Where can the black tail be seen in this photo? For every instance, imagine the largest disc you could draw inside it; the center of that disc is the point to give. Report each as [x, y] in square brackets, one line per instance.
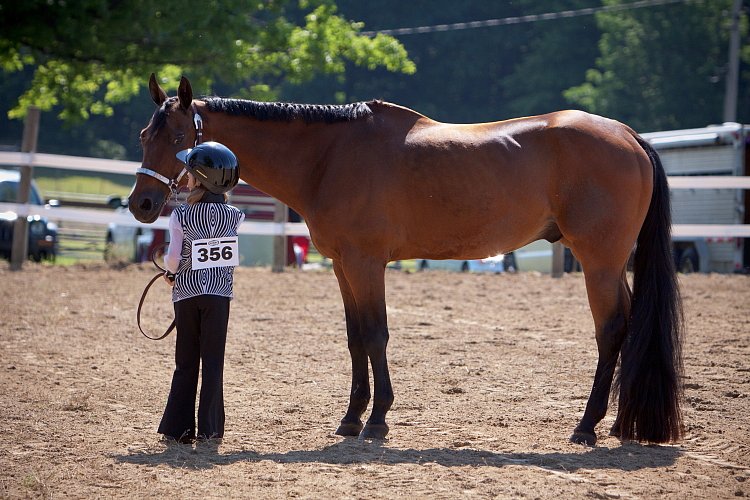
[650, 378]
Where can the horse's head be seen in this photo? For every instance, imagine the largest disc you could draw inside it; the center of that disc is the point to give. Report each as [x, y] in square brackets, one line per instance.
[170, 130]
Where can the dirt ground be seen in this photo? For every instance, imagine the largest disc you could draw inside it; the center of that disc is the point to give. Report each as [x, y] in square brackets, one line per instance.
[490, 374]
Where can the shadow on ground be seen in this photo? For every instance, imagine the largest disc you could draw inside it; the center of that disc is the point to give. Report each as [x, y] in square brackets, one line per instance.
[627, 457]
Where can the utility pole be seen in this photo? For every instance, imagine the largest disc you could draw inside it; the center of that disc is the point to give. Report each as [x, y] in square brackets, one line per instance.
[20, 248]
[730, 96]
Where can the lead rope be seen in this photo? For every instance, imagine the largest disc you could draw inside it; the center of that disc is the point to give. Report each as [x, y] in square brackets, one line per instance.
[145, 292]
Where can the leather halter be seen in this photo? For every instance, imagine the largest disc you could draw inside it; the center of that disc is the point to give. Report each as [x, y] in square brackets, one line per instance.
[173, 184]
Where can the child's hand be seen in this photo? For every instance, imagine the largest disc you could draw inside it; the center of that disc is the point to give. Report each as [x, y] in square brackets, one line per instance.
[169, 278]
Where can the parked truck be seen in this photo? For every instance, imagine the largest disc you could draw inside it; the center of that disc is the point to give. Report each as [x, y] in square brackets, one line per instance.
[716, 151]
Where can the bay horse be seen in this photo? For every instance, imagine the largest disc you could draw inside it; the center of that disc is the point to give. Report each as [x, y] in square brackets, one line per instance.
[378, 182]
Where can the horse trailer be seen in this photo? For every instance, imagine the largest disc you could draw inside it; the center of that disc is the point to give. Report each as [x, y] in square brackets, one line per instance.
[715, 151]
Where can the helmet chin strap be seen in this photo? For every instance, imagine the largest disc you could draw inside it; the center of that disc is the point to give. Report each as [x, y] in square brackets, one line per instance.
[173, 184]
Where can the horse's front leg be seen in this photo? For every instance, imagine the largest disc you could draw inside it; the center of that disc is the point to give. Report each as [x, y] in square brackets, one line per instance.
[366, 278]
[351, 424]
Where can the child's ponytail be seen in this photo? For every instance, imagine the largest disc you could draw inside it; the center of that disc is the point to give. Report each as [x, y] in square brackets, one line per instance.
[197, 193]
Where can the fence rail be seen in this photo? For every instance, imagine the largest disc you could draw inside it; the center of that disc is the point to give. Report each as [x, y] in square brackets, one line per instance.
[78, 199]
[104, 217]
[122, 167]
[293, 229]
[66, 162]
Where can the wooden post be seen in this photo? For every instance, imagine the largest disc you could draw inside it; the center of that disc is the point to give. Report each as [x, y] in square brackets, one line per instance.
[20, 247]
[280, 215]
[558, 260]
[732, 83]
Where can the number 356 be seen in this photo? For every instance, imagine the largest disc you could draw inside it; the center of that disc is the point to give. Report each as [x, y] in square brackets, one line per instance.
[214, 254]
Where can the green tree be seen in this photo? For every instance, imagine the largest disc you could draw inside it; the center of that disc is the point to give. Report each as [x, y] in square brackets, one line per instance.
[471, 75]
[89, 55]
[662, 67]
[553, 58]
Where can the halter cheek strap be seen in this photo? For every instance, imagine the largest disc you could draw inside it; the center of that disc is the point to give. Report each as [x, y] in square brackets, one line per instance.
[174, 183]
[198, 122]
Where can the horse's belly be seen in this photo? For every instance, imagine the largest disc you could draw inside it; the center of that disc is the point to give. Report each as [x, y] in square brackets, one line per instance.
[484, 236]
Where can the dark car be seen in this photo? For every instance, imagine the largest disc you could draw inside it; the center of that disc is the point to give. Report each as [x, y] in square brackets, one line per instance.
[42, 233]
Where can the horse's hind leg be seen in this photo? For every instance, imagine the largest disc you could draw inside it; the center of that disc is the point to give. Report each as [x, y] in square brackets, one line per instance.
[351, 424]
[609, 298]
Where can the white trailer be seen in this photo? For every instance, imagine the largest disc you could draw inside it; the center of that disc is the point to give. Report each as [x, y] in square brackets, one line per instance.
[713, 150]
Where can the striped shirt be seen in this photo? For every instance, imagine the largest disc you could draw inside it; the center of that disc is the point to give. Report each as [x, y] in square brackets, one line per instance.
[195, 222]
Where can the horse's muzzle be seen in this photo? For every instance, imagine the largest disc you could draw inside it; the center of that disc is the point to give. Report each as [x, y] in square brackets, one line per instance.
[145, 208]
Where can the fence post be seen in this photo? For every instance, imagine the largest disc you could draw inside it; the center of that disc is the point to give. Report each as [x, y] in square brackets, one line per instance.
[279, 242]
[558, 260]
[730, 94]
[20, 247]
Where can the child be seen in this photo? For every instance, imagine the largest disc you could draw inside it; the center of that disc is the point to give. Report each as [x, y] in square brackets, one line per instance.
[200, 263]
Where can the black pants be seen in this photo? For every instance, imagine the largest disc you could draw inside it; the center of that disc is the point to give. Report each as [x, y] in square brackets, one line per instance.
[201, 335]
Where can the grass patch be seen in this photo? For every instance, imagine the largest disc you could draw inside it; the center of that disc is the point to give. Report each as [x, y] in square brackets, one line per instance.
[32, 483]
[53, 181]
[83, 245]
[66, 260]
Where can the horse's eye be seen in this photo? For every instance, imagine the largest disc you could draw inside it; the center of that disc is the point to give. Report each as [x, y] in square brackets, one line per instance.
[179, 139]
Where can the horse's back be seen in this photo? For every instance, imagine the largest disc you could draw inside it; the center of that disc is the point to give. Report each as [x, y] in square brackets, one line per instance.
[523, 156]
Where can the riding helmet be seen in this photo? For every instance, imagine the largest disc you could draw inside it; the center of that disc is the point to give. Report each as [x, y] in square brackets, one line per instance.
[213, 164]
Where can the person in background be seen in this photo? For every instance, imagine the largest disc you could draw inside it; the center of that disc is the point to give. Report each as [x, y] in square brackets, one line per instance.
[200, 262]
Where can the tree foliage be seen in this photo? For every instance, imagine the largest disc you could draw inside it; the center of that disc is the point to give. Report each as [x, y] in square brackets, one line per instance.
[661, 68]
[471, 75]
[88, 55]
[657, 67]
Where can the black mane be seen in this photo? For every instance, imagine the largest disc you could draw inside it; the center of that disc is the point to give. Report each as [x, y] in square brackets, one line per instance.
[282, 111]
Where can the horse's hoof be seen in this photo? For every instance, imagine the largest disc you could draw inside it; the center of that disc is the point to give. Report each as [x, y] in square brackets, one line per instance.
[374, 431]
[582, 437]
[349, 429]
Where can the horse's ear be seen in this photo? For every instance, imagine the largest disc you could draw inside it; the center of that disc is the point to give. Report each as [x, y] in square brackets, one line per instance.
[157, 93]
[185, 93]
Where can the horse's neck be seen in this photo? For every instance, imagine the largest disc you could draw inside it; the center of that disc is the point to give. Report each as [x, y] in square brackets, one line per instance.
[277, 157]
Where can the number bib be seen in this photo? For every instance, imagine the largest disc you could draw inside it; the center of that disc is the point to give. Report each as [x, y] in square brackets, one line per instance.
[215, 252]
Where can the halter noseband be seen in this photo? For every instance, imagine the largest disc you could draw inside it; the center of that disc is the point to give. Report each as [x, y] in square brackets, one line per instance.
[174, 183]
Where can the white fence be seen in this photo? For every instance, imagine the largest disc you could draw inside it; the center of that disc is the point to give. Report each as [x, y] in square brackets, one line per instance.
[710, 182]
[294, 229]
[94, 216]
